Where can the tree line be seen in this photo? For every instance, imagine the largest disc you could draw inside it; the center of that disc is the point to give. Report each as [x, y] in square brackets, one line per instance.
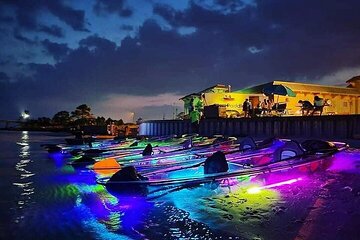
[81, 116]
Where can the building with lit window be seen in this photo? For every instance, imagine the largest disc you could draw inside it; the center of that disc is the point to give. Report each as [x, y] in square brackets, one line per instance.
[339, 100]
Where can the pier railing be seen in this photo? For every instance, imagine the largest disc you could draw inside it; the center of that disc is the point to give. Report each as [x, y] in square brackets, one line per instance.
[335, 126]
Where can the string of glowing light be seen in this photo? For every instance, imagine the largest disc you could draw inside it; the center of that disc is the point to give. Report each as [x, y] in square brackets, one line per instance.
[257, 189]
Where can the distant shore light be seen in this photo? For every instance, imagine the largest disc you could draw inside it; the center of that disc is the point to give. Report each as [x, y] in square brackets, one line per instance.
[25, 115]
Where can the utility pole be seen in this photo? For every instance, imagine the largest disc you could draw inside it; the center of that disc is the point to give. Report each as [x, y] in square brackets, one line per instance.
[173, 111]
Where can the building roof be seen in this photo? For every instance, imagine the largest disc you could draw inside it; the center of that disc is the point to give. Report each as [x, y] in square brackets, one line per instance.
[302, 87]
[254, 89]
[353, 79]
[190, 96]
[317, 88]
[209, 89]
[217, 86]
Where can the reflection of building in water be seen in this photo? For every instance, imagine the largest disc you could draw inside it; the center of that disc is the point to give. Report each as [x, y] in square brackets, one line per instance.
[340, 100]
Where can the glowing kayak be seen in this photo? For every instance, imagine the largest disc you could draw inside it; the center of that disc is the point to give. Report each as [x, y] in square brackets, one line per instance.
[138, 156]
[290, 155]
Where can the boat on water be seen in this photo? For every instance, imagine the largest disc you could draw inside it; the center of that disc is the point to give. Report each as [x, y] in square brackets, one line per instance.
[217, 167]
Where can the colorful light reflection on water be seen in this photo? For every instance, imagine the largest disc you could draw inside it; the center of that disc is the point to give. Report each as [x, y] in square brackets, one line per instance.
[55, 201]
[104, 210]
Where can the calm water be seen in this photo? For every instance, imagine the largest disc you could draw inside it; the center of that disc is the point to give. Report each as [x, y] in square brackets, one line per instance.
[43, 198]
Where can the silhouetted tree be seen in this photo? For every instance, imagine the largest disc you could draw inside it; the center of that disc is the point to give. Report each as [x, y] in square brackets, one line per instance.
[44, 121]
[62, 118]
[100, 121]
[116, 122]
[120, 122]
[82, 115]
[109, 121]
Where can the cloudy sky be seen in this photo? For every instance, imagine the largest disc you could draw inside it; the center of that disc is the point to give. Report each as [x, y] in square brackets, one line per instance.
[141, 56]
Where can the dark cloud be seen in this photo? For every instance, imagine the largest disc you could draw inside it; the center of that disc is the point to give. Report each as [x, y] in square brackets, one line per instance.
[230, 3]
[53, 30]
[98, 68]
[293, 41]
[112, 6]
[126, 27]
[168, 13]
[74, 18]
[4, 62]
[57, 50]
[8, 101]
[17, 35]
[4, 77]
[6, 19]
[222, 6]
[322, 41]
[232, 44]
[27, 13]
[100, 44]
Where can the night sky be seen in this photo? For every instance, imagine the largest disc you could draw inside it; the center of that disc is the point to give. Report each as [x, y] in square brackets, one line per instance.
[141, 56]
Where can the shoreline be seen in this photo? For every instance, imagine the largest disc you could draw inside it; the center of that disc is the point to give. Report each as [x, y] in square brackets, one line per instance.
[353, 143]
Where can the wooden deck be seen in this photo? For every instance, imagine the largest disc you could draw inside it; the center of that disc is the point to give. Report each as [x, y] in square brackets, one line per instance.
[330, 127]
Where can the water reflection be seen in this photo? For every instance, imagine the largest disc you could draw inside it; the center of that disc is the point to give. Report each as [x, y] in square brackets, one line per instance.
[106, 215]
[24, 181]
[96, 210]
[71, 205]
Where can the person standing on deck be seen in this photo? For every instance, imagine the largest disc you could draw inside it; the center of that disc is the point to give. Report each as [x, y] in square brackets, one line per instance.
[246, 107]
[264, 107]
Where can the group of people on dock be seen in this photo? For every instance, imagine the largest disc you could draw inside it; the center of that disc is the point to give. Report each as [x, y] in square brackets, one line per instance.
[263, 108]
[308, 109]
